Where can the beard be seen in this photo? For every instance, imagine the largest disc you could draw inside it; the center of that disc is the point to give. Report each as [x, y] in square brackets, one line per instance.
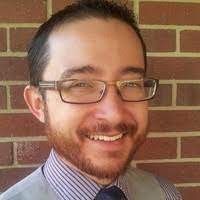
[70, 147]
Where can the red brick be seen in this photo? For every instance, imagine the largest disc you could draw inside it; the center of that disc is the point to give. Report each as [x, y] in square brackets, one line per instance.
[16, 97]
[174, 68]
[157, 148]
[169, 13]
[159, 40]
[175, 172]
[3, 99]
[188, 95]
[190, 193]
[20, 38]
[6, 153]
[189, 41]
[32, 152]
[23, 124]
[163, 96]
[22, 11]
[13, 68]
[175, 120]
[190, 147]
[3, 43]
[60, 4]
[11, 176]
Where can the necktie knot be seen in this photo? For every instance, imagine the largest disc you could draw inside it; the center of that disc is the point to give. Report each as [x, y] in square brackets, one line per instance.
[111, 193]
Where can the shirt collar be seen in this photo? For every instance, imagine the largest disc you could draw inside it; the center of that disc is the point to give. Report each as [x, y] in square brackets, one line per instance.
[71, 184]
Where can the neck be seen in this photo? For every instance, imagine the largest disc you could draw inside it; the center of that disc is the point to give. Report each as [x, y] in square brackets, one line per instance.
[99, 181]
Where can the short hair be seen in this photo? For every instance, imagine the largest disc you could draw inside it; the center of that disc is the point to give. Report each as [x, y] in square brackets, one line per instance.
[38, 52]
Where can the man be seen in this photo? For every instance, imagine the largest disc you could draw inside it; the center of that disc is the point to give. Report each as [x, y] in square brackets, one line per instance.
[88, 85]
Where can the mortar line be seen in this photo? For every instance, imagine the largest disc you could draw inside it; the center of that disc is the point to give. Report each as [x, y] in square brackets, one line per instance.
[168, 81]
[8, 39]
[178, 147]
[178, 42]
[19, 166]
[136, 10]
[8, 97]
[49, 8]
[13, 54]
[173, 134]
[174, 54]
[172, 108]
[176, 27]
[14, 111]
[15, 162]
[182, 160]
[174, 93]
[21, 25]
[13, 82]
[23, 139]
[187, 184]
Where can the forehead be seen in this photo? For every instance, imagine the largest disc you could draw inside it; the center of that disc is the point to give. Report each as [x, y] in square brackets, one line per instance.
[108, 45]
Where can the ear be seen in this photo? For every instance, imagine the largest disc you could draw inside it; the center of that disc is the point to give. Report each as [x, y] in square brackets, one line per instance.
[35, 102]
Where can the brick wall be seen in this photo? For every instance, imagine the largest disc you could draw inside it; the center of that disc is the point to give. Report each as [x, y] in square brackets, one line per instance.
[172, 34]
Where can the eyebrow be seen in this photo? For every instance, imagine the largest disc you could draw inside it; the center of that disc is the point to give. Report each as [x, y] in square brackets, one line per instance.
[91, 70]
[78, 70]
[134, 70]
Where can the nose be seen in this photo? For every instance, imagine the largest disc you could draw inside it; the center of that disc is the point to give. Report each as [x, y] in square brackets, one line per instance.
[111, 107]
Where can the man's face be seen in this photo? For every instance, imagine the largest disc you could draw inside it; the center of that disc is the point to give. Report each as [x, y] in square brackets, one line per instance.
[112, 51]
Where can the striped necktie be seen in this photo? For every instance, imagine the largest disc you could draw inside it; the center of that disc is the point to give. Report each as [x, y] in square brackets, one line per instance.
[111, 193]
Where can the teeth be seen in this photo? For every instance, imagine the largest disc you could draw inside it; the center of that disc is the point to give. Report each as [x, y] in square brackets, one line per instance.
[105, 138]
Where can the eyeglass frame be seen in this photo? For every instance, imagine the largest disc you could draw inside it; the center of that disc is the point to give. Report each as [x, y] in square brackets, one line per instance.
[54, 85]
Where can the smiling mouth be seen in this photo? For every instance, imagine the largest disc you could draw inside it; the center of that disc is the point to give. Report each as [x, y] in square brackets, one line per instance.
[105, 138]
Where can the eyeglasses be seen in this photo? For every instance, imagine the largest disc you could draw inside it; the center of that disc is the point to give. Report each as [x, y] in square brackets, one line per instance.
[91, 91]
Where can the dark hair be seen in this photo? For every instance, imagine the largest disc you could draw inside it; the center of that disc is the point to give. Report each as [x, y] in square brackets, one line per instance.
[38, 55]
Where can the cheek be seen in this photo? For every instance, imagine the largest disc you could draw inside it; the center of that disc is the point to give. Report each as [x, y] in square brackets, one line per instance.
[63, 115]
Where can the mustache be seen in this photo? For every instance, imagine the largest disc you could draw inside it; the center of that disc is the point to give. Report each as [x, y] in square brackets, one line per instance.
[106, 127]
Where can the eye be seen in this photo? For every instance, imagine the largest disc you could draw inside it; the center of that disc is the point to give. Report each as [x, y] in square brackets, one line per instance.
[81, 84]
[131, 84]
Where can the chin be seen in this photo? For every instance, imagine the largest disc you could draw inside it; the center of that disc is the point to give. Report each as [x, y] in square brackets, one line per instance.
[104, 169]
[100, 167]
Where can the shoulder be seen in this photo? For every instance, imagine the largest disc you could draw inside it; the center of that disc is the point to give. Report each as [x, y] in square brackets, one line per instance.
[150, 181]
[169, 189]
[31, 187]
[139, 175]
